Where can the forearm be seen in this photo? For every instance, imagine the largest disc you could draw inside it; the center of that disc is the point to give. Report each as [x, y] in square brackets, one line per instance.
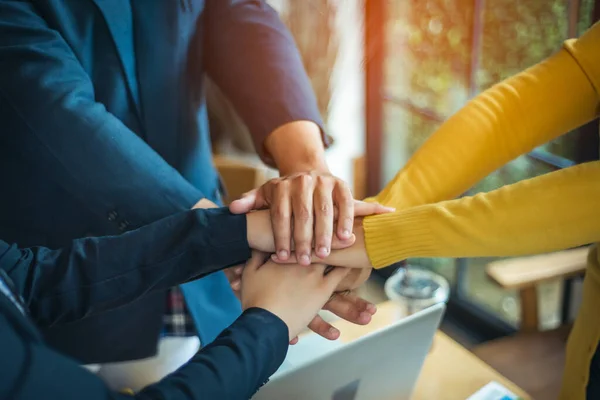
[551, 212]
[234, 366]
[500, 124]
[93, 275]
[257, 65]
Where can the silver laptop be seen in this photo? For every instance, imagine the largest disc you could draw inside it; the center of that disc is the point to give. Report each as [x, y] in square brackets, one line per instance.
[382, 365]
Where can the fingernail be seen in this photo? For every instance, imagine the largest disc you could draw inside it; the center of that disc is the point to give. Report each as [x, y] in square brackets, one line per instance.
[372, 308]
[392, 209]
[323, 251]
[274, 257]
[304, 259]
[282, 254]
[365, 316]
[333, 331]
[346, 233]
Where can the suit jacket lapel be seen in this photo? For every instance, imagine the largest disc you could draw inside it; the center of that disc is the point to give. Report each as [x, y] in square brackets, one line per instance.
[118, 16]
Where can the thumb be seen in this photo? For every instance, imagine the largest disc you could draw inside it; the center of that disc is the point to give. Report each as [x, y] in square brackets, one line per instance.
[248, 202]
[363, 209]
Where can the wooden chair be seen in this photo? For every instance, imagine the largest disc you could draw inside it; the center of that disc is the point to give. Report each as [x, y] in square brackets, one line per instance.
[531, 358]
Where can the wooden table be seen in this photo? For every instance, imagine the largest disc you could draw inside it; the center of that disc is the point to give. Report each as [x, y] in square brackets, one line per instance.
[450, 372]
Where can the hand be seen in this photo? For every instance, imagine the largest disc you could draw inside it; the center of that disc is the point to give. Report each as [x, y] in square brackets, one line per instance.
[294, 293]
[260, 236]
[234, 276]
[294, 199]
[345, 305]
[354, 256]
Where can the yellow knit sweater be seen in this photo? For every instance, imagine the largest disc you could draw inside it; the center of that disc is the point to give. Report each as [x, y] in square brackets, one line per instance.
[551, 212]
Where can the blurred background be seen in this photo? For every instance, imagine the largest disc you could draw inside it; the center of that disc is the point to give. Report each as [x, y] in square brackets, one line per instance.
[387, 73]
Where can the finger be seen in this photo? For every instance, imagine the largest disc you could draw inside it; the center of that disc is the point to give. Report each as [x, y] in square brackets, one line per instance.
[236, 285]
[363, 209]
[338, 244]
[294, 341]
[322, 328]
[323, 205]
[245, 204]
[253, 200]
[335, 258]
[281, 218]
[302, 210]
[351, 308]
[345, 204]
[237, 271]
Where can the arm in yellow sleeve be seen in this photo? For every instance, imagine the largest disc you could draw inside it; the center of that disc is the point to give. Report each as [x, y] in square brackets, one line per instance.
[502, 123]
[548, 213]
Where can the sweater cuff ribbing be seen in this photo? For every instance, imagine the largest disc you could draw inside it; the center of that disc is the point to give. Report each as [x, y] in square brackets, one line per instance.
[394, 237]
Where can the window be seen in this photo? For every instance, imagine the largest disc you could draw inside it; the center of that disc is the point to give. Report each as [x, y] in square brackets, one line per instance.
[425, 59]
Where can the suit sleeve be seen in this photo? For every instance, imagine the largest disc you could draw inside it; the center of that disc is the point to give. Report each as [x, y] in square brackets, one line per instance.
[233, 367]
[93, 275]
[48, 105]
[253, 58]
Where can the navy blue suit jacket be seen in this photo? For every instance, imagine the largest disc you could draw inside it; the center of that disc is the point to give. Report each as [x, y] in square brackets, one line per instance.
[104, 129]
[42, 287]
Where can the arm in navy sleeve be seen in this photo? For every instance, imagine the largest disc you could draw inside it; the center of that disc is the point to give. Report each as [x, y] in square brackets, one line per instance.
[98, 274]
[232, 367]
[253, 58]
[49, 101]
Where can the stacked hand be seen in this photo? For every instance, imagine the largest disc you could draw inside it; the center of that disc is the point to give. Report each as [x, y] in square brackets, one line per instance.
[353, 256]
[309, 214]
[294, 293]
[309, 221]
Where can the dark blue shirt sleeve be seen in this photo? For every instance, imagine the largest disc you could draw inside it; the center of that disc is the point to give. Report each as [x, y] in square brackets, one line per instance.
[93, 275]
[97, 274]
[253, 58]
[233, 367]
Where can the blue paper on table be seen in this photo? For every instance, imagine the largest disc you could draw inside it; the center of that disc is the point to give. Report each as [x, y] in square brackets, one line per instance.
[494, 391]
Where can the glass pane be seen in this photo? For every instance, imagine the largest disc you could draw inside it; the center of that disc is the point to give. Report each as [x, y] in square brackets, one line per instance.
[565, 146]
[429, 51]
[586, 10]
[518, 34]
[522, 168]
[446, 267]
[403, 134]
[476, 285]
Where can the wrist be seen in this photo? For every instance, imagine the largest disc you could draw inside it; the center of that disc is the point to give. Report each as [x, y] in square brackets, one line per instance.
[297, 147]
[259, 232]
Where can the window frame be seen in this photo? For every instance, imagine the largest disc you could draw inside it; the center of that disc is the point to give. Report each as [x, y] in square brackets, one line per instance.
[461, 310]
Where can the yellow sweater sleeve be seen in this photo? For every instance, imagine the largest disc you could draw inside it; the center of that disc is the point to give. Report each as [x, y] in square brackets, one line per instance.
[551, 212]
[502, 123]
